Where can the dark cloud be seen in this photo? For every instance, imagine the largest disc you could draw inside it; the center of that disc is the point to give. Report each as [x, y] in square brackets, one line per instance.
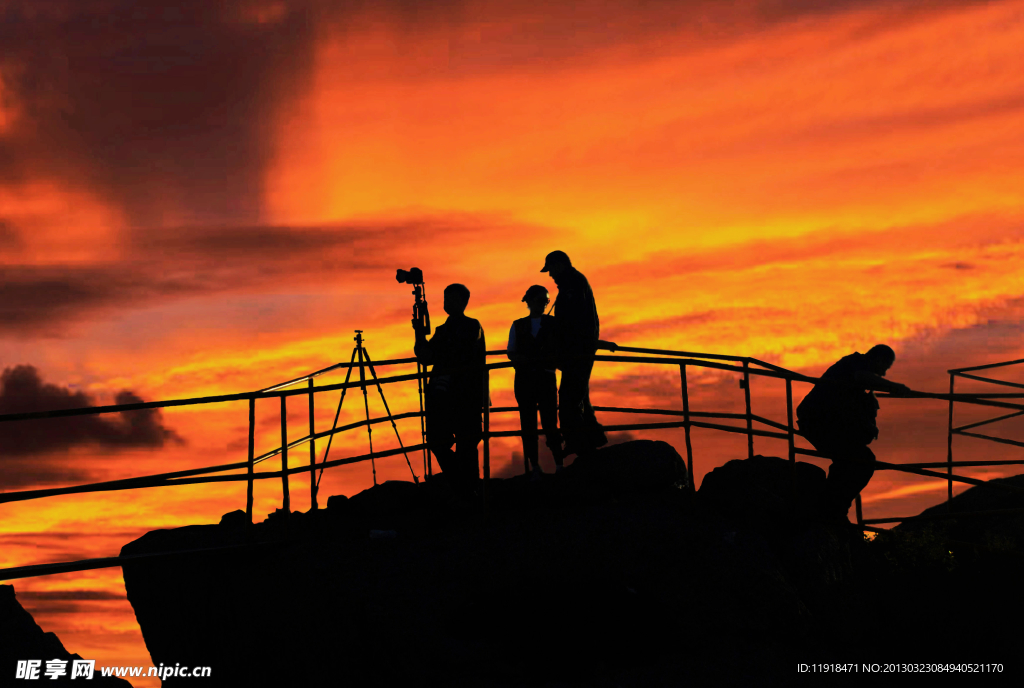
[158, 106]
[43, 300]
[168, 108]
[24, 391]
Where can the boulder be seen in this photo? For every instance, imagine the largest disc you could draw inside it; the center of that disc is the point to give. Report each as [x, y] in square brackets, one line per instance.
[21, 638]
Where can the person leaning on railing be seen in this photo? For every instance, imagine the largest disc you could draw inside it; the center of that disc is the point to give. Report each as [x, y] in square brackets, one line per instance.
[455, 391]
[577, 332]
[531, 348]
[838, 417]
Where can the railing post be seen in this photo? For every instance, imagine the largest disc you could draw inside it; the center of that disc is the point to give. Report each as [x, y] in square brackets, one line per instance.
[686, 426]
[860, 512]
[287, 505]
[949, 443]
[791, 430]
[487, 434]
[252, 433]
[312, 452]
[421, 371]
[750, 420]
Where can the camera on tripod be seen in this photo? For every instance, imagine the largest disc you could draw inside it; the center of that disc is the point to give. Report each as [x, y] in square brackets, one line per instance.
[411, 276]
[420, 314]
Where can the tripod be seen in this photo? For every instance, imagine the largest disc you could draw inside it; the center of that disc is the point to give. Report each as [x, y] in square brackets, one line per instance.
[363, 355]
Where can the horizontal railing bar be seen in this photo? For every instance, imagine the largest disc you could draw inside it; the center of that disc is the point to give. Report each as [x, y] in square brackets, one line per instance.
[670, 352]
[980, 399]
[908, 468]
[113, 485]
[654, 426]
[32, 570]
[977, 399]
[991, 381]
[772, 423]
[943, 464]
[241, 396]
[291, 471]
[957, 371]
[326, 433]
[986, 422]
[978, 435]
[741, 431]
[770, 366]
[943, 476]
[670, 412]
[956, 514]
[336, 366]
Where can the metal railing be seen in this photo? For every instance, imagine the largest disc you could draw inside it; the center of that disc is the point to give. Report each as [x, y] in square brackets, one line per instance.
[745, 367]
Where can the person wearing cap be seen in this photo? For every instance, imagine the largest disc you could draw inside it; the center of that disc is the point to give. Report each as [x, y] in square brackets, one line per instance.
[838, 418]
[577, 332]
[455, 391]
[531, 348]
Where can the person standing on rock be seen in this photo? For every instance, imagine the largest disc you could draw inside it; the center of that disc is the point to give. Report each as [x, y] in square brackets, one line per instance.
[531, 348]
[455, 392]
[577, 332]
[838, 417]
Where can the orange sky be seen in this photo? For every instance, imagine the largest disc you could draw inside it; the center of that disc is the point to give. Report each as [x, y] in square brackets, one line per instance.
[199, 201]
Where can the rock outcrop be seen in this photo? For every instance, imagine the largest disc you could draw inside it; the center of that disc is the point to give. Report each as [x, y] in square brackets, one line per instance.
[21, 638]
[612, 573]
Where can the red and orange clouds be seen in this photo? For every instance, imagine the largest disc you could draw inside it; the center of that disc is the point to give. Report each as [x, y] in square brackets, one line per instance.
[198, 198]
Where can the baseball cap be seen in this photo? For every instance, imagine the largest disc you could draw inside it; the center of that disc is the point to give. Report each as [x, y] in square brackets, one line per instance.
[553, 258]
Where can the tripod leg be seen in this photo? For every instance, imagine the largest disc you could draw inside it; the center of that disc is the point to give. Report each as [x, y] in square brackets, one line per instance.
[380, 389]
[366, 405]
[337, 413]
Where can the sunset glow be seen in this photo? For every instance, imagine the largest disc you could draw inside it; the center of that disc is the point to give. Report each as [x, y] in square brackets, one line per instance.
[204, 201]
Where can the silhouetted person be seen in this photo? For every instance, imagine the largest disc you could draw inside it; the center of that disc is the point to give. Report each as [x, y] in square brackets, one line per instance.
[838, 417]
[455, 392]
[531, 348]
[577, 331]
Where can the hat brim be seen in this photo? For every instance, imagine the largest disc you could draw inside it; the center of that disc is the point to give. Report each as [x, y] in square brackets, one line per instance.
[544, 269]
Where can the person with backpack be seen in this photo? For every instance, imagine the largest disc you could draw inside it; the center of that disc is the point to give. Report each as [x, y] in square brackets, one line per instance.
[838, 417]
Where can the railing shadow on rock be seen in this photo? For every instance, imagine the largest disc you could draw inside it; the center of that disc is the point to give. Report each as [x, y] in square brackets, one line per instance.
[745, 367]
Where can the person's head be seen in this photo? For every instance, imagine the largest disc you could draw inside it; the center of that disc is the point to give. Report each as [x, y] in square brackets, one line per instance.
[556, 263]
[880, 358]
[456, 298]
[536, 299]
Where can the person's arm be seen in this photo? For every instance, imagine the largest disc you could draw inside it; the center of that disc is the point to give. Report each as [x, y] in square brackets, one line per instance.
[481, 356]
[423, 349]
[511, 351]
[877, 383]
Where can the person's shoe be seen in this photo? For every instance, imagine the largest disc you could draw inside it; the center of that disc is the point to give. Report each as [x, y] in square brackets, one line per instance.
[536, 474]
[559, 468]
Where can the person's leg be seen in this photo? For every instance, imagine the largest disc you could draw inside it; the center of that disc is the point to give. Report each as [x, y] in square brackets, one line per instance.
[851, 470]
[591, 433]
[571, 394]
[468, 433]
[594, 432]
[440, 433]
[526, 398]
[849, 474]
[547, 400]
